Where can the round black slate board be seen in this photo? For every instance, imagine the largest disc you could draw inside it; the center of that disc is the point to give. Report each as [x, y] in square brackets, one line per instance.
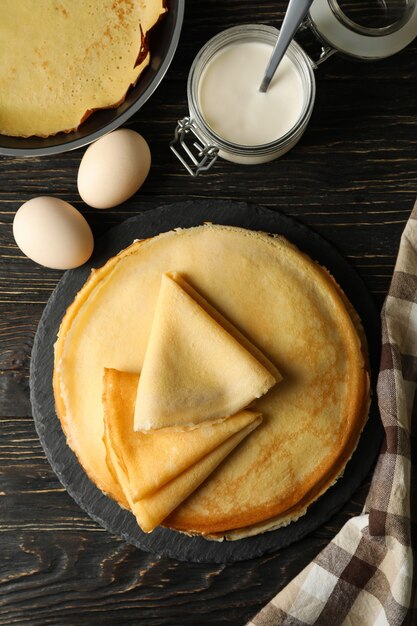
[107, 512]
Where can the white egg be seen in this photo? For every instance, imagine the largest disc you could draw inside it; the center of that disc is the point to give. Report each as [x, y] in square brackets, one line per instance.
[53, 233]
[113, 168]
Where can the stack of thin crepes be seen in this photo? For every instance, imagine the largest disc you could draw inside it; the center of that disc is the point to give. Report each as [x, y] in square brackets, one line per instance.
[183, 344]
[185, 409]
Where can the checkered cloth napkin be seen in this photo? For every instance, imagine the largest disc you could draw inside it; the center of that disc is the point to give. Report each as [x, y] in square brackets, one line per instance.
[364, 576]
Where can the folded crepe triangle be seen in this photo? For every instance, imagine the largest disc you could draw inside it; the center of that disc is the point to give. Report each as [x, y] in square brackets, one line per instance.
[159, 470]
[152, 510]
[153, 459]
[197, 365]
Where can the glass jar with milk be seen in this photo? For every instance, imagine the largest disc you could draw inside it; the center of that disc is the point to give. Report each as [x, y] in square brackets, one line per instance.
[230, 118]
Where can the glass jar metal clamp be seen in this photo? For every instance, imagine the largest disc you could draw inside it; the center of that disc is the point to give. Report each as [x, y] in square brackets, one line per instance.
[363, 30]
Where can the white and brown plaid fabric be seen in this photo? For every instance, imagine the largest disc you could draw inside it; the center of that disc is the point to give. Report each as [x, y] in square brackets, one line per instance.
[364, 576]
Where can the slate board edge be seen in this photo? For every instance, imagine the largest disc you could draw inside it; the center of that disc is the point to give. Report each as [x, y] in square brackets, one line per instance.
[63, 461]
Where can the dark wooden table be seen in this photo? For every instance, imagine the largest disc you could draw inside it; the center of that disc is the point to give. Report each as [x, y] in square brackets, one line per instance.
[352, 178]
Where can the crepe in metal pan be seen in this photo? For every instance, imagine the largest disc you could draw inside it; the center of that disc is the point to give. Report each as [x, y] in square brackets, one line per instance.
[61, 60]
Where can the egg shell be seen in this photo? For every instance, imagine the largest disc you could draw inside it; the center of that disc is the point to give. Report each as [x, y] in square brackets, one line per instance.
[113, 168]
[53, 233]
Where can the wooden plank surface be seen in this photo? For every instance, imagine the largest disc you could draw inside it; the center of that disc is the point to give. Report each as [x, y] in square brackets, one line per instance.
[352, 177]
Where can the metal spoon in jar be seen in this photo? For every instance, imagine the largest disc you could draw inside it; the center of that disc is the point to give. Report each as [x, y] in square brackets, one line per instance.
[296, 11]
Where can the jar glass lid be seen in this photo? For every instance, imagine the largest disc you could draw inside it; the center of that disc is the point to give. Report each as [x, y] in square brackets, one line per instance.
[371, 29]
